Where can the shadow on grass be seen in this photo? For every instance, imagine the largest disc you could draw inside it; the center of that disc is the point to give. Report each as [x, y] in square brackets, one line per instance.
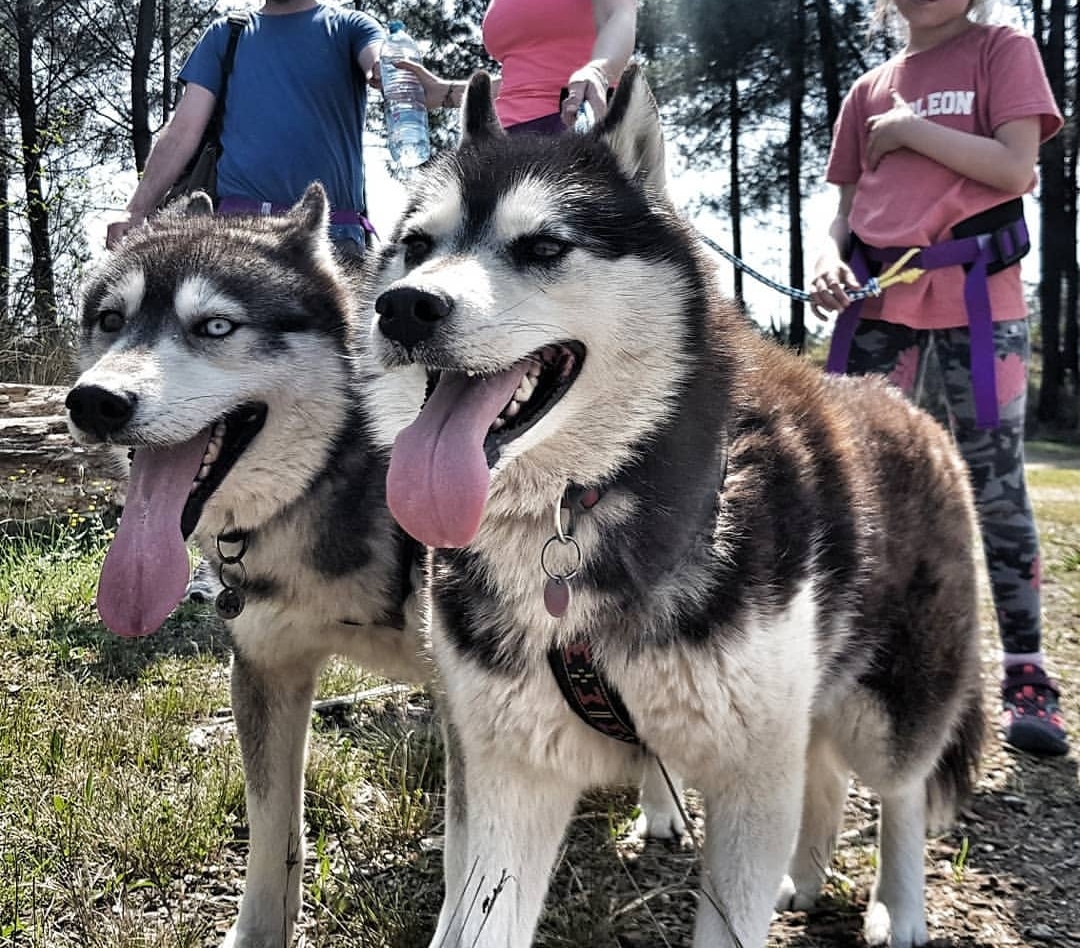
[191, 631]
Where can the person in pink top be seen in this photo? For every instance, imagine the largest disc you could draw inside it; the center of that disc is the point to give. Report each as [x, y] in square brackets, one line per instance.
[933, 150]
[545, 46]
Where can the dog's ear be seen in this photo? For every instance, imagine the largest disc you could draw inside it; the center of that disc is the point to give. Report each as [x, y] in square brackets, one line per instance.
[632, 130]
[198, 204]
[310, 220]
[312, 211]
[478, 119]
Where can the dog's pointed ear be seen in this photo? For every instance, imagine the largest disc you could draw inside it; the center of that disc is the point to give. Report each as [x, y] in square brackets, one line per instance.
[310, 219]
[198, 204]
[312, 211]
[632, 130]
[478, 119]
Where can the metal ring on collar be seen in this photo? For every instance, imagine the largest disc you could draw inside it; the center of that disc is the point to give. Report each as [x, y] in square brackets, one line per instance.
[543, 558]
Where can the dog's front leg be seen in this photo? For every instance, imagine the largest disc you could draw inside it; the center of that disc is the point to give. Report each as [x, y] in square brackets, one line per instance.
[272, 708]
[514, 818]
[750, 830]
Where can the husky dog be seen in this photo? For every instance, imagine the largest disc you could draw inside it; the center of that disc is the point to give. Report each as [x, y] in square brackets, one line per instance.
[774, 569]
[223, 352]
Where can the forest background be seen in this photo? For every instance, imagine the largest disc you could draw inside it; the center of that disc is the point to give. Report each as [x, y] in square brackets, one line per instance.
[749, 89]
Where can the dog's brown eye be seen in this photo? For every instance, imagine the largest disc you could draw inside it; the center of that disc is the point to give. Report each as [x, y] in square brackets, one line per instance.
[539, 249]
[417, 248]
[111, 320]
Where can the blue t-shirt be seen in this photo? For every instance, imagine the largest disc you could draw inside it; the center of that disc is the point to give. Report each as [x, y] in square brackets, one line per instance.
[295, 105]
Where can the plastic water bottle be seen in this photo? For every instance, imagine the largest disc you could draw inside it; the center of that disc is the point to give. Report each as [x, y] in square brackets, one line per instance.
[403, 100]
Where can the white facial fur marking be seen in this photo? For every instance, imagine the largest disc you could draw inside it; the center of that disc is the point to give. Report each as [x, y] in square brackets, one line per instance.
[529, 207]
[126, 294]
[197, 297]
[440, 216]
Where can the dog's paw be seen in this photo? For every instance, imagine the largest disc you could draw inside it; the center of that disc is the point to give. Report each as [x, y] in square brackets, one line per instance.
[659, 821]
[791, 899]
[881, 929]
[235, 939]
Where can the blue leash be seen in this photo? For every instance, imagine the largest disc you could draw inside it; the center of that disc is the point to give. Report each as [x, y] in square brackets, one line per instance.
[873, 286]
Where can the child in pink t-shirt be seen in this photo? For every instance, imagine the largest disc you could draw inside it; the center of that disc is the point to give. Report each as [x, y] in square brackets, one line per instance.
[946, 130]
[545, 46]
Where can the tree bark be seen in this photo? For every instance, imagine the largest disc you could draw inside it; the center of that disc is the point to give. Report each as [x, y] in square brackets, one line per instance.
[140, 78]
[796, 95]
[5, 219]
[37, 212]
[734, 192]
[830, 70]
[1053, 218]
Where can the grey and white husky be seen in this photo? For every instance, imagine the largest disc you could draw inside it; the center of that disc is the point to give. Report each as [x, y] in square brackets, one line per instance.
[774, 569]
[223, 351]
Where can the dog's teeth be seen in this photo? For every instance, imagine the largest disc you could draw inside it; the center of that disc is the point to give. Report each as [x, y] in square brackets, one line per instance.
[512, 409]
[204, 472]
[219, 430]
[213, 449]
[525, 389]
[470, 374]
[498, 423]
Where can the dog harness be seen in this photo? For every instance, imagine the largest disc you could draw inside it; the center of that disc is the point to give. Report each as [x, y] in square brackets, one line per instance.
[1000, 241]
[232, 205]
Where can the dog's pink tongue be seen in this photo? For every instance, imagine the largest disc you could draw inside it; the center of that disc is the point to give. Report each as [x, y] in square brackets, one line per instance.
[146, 569]
[437, 484]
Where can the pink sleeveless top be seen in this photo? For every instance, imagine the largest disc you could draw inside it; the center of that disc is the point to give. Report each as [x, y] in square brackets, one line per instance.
[539, 44]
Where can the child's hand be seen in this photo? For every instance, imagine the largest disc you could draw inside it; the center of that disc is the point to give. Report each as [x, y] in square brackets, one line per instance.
[886, 132]
[828, 290]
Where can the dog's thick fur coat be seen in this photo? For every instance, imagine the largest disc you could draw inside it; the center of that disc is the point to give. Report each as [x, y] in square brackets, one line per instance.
[778, 577]
[224, 351]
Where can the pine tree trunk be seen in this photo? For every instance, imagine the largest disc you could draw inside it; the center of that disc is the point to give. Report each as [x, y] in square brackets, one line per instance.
[37, 213]
[797, 93]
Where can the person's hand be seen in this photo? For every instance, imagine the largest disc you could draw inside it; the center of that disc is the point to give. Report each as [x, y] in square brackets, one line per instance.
[435, 89]
[885, 132]
[117, 230]
[828, 289]
[588, 84]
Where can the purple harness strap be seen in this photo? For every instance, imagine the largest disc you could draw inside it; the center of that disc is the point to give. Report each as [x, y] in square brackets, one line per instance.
[232, 205]
[978, 252]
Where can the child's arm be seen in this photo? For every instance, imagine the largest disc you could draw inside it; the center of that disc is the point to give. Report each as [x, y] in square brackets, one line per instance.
[833, 277]
[1005, 162]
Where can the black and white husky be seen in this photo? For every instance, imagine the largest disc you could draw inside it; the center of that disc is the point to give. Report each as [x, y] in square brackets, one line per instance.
[774, 569]
[223, 351]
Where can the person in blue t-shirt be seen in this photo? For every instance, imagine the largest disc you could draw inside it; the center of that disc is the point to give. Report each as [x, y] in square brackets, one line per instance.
[294, 113]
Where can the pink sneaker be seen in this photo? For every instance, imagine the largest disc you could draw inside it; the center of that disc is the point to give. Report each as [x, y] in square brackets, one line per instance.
[1030, 718]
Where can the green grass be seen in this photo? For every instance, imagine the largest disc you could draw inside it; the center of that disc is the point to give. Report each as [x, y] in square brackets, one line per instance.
[113, 802]
[122, 816]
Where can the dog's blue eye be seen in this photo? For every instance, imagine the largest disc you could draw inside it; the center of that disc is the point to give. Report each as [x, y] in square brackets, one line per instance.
[216, 327]
[111, 320]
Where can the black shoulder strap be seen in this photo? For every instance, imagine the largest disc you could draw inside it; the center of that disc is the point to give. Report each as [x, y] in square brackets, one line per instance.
[237, 21]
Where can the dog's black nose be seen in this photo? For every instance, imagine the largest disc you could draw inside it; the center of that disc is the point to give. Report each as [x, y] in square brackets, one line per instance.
[409, 315]
[99, 411]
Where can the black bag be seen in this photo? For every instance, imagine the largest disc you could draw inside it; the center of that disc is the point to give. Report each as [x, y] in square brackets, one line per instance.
[200, 174]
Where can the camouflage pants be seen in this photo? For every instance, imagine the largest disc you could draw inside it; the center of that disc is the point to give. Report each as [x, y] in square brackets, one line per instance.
[995, 458]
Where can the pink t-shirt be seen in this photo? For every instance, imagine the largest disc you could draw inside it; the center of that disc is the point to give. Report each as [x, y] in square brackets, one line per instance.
[539, 43]
[974, 82]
